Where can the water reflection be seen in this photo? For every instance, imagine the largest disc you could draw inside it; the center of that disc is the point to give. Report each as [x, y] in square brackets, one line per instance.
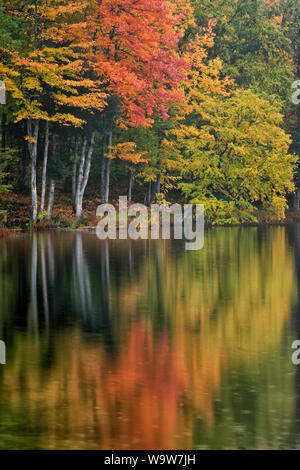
[143, 345]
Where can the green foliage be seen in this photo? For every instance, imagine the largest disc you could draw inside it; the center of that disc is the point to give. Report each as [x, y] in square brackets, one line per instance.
[252, 43]
[12, 27]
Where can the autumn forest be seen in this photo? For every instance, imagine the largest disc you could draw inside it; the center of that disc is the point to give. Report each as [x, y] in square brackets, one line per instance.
[120, 343]
[159, 100]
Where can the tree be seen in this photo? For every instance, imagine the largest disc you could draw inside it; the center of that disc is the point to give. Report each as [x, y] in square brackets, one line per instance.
[229, 146]
[51, 82]
[135, 51]
[5, 160]
[251, 41]
[238, 160]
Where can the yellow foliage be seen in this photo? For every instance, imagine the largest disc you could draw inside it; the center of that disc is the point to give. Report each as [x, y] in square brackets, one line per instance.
[126, 151]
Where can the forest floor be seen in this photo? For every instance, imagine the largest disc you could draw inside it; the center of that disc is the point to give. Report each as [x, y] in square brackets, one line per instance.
[17, 207]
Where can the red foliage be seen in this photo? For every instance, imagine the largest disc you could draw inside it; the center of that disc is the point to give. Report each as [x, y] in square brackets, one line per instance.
[135, 46]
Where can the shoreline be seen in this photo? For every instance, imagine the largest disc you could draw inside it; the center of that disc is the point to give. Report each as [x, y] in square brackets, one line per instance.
[7, 232]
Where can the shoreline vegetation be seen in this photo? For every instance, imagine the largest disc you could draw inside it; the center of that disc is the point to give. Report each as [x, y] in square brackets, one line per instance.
[18, 216]
[199, 103]
[42, 227]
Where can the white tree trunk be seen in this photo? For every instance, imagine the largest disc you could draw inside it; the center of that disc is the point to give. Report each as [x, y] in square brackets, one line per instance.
[78, 210]
[74, 175]
[51, 199]
[33, 133]
[107, 180]
[45, 162]
[108, 165]
[88, 165]
[52, 185]
[103, 169]
[130, 187]
[84, 173]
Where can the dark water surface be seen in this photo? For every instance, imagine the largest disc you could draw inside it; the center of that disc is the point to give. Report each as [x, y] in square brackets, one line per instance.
[143, 345]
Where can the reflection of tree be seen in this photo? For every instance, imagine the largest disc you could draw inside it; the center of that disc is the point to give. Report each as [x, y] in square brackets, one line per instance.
[227, 306]
[81, 281]
[296, 336]
[44, 284]
[9, 277]
[127, 402]
[33, 305]
[185, 331]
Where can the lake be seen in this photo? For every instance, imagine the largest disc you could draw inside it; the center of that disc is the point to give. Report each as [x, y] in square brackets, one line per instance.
[144, 345]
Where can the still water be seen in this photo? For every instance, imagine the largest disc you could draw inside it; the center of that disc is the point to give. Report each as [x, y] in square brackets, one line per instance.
[143, 345]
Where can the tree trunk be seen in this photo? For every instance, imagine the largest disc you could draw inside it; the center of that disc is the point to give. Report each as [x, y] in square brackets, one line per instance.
[107, 180]
[108, 165]
[157, 187]
[74, 175]
[149, 194]
[51, 199]
[52, 185]
[130, 187]
[3, 131]
[297, 200]
[45, 163]
[78, 210]
[103, 169]
[88, 165]
[84, 173]
[33, 133]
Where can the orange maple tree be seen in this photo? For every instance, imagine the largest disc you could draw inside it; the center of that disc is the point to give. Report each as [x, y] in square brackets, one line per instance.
[135, 50]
